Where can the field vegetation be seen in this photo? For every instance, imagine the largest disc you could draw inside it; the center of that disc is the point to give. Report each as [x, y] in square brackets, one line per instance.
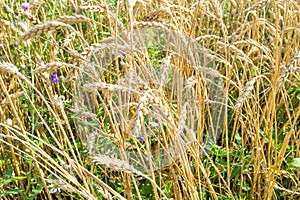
[241, 141]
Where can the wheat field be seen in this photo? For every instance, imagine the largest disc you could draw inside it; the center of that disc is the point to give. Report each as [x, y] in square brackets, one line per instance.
[150, 99]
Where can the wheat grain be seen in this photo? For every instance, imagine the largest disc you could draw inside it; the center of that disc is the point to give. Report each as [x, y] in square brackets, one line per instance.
[207, 37]
[246, 91]
[52, 66]
[158, 25]
[35, 4]
[41, 28]
[90, 9]
[6, 67]
[14, 96]
[70, 38]
[73, 19]
[158, 15]
[114, 163]
[181, 10]
[164, 70]
[30, 17]
[105, 87]
[5, 23]
[289, 69]
[257, 5]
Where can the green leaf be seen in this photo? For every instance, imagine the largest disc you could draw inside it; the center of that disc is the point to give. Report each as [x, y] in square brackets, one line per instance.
[14, 191]
[295, 163]
[35, 191]
[235, 172]
[18, 178]
[7, 175]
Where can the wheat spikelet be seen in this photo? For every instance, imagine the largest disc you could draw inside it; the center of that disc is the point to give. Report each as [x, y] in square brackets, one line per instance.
[247, 42]
[5, 23]
[35, 4]
[105, 87]
[240, 32]
[139, 115]
[41, 28]
[197, 4]
[6, 67]
[246, 91]
[114, 163]
[181, 10]
[191, 81]
[70, 38]
[288, 69]
[104, 193]
[207, 37]
[150, 99]
[164, 70]
[106, 9]
[52, 66]
[257, 5]
[73, 19]
[158, 15]
[30, 17]
[98, 8]
[218, 14]
[12, 97]
[74, 53]
[151, 25]
[239, 52]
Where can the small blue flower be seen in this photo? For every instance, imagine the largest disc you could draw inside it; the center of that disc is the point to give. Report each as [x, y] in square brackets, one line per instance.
[141, 138]
[122, 54]
[54, 77]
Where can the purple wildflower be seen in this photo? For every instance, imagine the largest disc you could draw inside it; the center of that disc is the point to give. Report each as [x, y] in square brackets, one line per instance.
[54, 77]
[25, 6]
[122, 54]
[141, 138]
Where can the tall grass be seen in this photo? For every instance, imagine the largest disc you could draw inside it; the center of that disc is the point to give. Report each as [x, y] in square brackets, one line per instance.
[253, 47]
